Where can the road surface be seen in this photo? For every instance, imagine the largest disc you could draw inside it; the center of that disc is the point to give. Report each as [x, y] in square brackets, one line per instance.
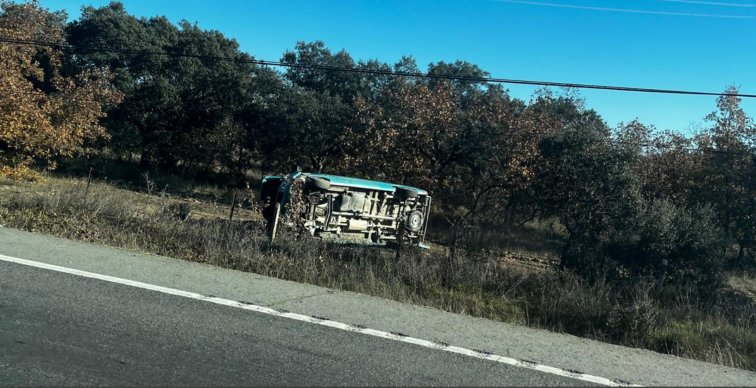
[60, 328]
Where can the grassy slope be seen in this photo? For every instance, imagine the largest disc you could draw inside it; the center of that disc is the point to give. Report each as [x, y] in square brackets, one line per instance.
[517, 286]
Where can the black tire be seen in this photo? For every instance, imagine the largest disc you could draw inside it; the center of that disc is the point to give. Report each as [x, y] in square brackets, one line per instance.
[403, 193]
[414, 221]
[318, 184]
[270, 189]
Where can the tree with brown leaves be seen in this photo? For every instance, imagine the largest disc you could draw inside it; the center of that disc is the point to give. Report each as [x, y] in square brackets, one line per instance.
[43, 111]
[470, 148]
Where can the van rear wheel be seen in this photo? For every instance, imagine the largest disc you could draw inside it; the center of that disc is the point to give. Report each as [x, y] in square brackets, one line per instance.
[404, 193]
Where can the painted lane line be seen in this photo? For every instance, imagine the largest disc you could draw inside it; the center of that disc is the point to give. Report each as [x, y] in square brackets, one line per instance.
[328, 323]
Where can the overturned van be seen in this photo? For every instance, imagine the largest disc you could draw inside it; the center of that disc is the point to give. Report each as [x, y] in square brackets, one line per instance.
[346, 209]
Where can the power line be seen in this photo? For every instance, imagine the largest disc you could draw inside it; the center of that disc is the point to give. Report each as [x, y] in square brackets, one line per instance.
[709, 3]
[374, 71]
[623, 10]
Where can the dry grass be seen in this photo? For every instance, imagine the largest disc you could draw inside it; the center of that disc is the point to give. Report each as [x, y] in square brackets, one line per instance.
[487, 283]
[744, 283]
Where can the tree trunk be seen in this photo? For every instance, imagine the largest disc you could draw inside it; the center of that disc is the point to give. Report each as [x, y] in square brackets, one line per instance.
[563, 256]
[567, 246]
[144, 161]
[449, 268]
[169, 163]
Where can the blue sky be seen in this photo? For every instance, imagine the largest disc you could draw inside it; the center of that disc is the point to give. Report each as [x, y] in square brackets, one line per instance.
[516, 41]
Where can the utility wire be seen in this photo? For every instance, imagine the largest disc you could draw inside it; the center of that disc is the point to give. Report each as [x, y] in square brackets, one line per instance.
[240, 59]
[709, 3]
[624, 10]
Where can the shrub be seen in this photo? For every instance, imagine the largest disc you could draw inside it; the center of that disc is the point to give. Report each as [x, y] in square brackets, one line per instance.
[679, 339]
[688, 239]
[637, 320]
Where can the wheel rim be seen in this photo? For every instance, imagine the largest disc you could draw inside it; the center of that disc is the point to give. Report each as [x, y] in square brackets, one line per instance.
[415, 221]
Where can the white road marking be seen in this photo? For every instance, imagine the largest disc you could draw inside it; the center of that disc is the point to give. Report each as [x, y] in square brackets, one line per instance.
[326, 322]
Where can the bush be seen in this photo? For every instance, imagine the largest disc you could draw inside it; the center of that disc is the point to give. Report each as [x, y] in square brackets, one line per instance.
[637, 320]
[680, 338]
[689, 240]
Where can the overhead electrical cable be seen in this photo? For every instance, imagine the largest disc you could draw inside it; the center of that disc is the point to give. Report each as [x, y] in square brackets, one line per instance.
[241, 59]
[710, 3]
[558, 5]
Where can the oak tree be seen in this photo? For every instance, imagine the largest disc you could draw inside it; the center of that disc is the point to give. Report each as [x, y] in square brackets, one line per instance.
[44, 112]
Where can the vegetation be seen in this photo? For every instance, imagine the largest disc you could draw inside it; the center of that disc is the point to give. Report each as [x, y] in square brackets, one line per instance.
[613, 206]
[45, 111]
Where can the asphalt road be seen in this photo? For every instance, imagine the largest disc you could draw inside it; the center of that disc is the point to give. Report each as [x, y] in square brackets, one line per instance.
[63, 330]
